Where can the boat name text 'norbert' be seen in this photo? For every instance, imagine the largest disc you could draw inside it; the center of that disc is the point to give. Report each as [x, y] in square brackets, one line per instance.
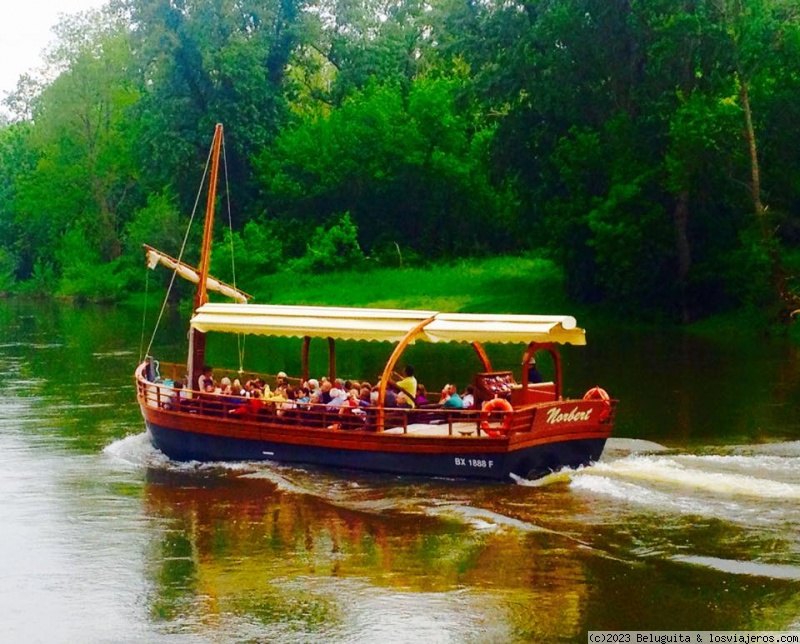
[555, 415]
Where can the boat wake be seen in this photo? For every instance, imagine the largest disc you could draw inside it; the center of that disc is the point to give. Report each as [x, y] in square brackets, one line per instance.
[746, 486]
[751, 489]
[738, 567]
[136, 452]
[561, 477]
[481, 519]
[730, 476]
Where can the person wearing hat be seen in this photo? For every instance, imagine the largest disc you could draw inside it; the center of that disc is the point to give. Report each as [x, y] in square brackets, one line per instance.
[533, 373]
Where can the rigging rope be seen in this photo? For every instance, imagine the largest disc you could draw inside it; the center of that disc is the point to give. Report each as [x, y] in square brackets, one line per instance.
[183, 248]
[144, 309]
[240, 339]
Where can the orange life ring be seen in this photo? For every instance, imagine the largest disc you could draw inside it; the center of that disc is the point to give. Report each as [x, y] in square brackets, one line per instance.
[493, 405]
[598, 393]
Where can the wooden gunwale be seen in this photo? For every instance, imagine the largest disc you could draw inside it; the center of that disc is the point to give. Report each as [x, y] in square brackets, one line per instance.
[274, 429]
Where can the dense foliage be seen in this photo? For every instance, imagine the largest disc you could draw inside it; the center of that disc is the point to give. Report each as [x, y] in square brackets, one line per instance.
[645, 147]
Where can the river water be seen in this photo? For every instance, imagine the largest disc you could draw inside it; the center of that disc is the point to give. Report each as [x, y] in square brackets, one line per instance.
[690, 521]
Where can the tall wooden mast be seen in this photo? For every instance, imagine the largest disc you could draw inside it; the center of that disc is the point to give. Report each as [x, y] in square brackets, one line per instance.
[197, 340]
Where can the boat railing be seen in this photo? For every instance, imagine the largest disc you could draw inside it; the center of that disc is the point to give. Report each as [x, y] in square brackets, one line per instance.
[277, 411]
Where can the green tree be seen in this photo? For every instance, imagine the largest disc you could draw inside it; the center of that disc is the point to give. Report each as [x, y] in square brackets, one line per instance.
[410, 168]
[84, 175]
[243, 258]
[208, 62]
[17, 159]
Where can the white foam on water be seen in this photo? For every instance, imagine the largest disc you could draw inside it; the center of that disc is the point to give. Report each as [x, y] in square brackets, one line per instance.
[664, 501]
[663, 470]
[271, 472]
[135, 450]
[633, 445]
[749, 568]
[554, 478]
[111, 354]
[481, 519]
[761, 464]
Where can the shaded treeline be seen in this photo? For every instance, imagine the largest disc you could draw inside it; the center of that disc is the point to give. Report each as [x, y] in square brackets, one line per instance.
[648, 148]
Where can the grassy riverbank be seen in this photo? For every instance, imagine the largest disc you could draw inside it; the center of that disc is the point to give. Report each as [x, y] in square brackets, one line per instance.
[495, 285]
[508, 284]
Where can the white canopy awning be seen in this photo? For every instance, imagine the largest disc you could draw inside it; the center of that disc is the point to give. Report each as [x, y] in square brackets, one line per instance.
[384, 325]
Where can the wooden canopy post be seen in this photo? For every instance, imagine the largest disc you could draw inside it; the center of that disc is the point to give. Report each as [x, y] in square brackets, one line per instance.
[331, 359]
[304, 353]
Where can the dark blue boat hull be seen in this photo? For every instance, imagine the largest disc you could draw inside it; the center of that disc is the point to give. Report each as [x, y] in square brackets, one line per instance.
[527, 462]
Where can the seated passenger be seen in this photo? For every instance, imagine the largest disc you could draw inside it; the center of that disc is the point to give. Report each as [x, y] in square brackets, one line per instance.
[351, 404]
[313, 387]
[289, 403]
[391, 395]
[251, 406]
[468, 398]
[450, 398]
[422, 396]
[325, 387]
[402, 401]
[175, 396]
[338, 397]
[205, 379]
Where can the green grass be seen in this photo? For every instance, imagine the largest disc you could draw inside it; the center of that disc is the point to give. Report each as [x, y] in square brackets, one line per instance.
[508, 284]
[495, 285]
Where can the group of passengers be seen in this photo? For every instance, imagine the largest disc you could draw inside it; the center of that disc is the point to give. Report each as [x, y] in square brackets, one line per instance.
[349, 397]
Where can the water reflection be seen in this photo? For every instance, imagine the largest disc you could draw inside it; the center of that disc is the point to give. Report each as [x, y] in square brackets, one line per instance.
[238, 546]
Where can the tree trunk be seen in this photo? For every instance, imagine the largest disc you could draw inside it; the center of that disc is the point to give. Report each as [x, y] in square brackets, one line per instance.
[755, 173]
[683, 248]
[788, 300]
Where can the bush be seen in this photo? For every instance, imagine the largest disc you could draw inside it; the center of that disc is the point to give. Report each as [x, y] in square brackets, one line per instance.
[256, 251]
[330, 250]
[83, 275]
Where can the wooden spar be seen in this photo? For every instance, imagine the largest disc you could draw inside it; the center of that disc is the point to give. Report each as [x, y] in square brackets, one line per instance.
[190, 273]
[197, 340]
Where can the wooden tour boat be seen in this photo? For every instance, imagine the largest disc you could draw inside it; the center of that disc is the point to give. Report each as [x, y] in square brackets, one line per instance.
[517, 429]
